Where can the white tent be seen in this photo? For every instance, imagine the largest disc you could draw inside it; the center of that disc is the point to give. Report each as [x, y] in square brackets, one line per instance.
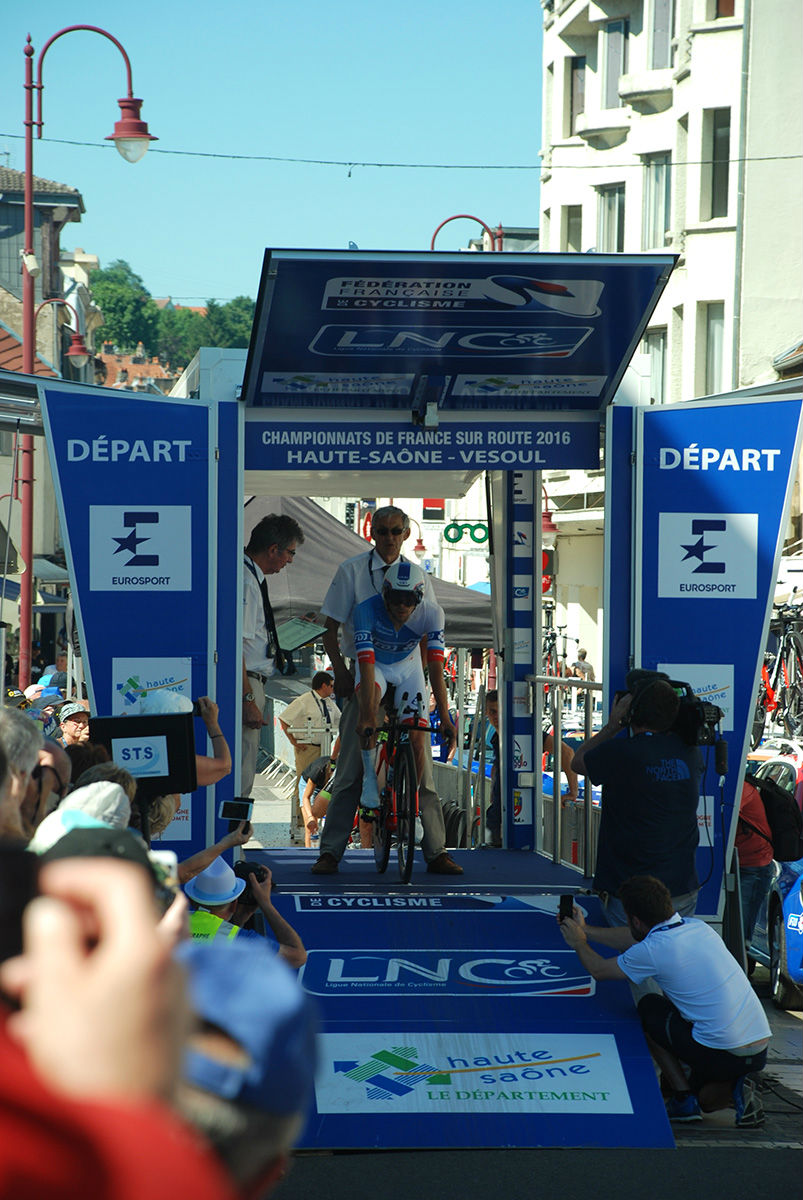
[301, 587]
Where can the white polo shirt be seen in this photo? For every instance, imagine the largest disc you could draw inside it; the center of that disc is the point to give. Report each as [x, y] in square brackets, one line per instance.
[695, 969]
[355, 580]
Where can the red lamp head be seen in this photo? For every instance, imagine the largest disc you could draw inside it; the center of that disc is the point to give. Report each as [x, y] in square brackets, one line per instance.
[131, 135]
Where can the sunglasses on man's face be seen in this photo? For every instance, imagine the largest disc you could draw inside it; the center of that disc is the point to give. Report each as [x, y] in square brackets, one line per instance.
[408, 599]
[387, 531]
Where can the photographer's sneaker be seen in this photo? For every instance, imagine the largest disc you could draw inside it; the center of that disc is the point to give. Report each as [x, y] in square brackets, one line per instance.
[683, 1107]
[748, 1105]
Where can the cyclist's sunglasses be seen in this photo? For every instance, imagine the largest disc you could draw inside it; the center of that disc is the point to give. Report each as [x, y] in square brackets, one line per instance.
[408, 599]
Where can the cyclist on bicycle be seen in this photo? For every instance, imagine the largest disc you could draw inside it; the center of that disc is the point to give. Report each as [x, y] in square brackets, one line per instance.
[388, 629]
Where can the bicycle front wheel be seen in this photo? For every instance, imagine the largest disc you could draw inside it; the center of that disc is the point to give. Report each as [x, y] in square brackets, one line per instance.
[381, 833]
[405, 788]
[759, 720]
[793, 699]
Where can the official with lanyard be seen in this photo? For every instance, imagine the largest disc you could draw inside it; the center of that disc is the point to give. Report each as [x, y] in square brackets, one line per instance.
[271, 547]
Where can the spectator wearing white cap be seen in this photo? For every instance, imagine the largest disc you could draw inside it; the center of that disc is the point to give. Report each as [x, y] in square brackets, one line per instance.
[249, 1066]
[215, 892]
[90, 807]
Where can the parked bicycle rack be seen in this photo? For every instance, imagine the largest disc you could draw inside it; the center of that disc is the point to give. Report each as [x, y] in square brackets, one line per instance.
[281, 776]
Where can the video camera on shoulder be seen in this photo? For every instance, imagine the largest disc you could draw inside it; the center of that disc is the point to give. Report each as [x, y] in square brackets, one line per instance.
[696, 721]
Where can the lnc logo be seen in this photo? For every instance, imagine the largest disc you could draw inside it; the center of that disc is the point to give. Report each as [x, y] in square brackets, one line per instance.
[424, 972]
[552, 341]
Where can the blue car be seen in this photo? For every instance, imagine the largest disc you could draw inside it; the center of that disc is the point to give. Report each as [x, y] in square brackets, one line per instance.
[777, 941]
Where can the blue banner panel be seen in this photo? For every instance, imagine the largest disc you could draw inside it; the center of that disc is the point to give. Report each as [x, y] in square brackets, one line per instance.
[715, 487]
[134, 485]
[465, 1020]
[618, 581]
[397, 330]
[345, 442]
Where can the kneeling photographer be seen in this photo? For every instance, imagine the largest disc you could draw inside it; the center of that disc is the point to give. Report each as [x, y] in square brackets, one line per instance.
[218, 914]
[650, 782]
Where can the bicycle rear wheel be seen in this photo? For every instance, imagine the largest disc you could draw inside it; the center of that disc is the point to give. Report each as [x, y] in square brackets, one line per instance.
[405, 787]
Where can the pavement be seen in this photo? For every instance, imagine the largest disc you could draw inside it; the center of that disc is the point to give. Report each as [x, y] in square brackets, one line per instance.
[711, 1157]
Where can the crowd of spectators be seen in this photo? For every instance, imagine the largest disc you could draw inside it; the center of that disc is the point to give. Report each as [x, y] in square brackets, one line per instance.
[134, 1059]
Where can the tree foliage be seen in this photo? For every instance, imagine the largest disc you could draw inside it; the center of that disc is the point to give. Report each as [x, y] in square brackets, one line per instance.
[230, 324]
[129, 313]
[181, 334]
[174, 334]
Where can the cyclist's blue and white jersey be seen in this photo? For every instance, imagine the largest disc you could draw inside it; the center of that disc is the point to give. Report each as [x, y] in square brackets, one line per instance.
[377, 639]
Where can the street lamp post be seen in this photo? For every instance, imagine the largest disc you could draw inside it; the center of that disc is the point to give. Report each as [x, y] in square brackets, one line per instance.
[131, 137]
[78, 352]
[496, 238]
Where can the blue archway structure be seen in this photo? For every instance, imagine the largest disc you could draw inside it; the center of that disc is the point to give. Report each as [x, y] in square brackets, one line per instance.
[457, 1002]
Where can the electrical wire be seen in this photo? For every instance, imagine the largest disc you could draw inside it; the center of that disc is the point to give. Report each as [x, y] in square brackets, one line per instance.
[351, 164]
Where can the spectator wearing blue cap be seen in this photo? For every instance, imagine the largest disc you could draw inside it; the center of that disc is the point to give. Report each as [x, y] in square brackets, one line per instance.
[249, 1066]
[215, 893]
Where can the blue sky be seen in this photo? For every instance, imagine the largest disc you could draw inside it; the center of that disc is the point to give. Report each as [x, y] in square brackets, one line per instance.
[354, 81]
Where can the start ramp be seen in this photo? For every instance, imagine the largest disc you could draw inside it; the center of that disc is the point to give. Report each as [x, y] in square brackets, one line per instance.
[454, 1014]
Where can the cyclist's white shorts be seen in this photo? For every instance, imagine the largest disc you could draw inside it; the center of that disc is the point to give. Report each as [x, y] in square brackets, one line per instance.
[407, 676]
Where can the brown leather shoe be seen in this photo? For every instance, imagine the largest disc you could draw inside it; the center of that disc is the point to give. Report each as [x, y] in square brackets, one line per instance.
[325, 865]
[444, 865]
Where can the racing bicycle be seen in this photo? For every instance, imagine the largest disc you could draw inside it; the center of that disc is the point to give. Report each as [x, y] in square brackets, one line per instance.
[395, 818]
[780, 689]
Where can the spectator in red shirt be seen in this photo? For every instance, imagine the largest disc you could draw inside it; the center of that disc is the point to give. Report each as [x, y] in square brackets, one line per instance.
[754, 848]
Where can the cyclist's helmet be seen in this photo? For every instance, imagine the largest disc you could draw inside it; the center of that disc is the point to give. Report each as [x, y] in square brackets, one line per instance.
[406, 579]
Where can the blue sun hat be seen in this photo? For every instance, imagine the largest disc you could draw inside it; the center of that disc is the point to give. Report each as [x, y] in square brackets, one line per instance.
[249, 993]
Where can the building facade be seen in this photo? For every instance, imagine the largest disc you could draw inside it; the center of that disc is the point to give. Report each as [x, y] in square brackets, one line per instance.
[676, 125]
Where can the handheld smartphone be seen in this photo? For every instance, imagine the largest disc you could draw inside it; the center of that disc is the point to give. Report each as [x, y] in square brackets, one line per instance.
[239, 809]
[165, 868]
[566, 905]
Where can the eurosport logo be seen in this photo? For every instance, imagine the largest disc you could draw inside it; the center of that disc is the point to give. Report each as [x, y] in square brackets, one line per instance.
[140, 548]
[495, 293]
[452, 973]
[707, 555]
[547, 341]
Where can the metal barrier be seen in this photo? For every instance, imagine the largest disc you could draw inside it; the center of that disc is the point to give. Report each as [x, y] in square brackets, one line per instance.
[581, 843]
